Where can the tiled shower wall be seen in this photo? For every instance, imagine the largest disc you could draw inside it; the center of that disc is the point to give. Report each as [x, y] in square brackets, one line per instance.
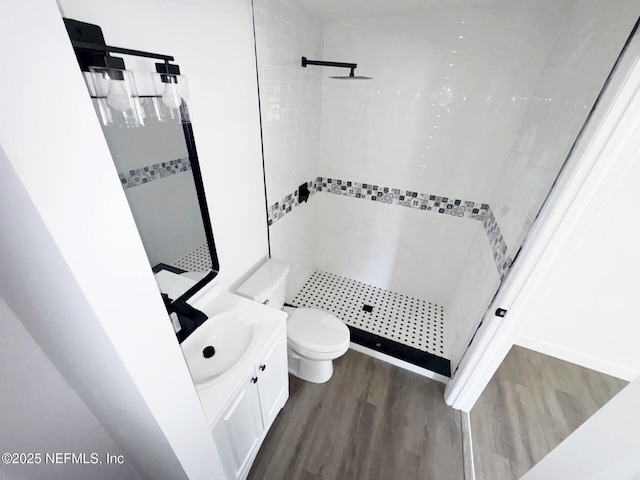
[452, 113]
[427, 203]
[290, 99]
[586, 49]
[439, 114]
[438, 119]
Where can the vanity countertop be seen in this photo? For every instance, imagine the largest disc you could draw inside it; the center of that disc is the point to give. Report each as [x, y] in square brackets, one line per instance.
[269, 322]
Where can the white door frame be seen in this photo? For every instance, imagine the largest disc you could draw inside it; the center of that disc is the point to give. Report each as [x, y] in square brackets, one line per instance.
[606, 148]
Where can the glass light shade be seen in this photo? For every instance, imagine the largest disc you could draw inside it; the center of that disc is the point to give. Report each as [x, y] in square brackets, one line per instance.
[171, 99]
[117, 97]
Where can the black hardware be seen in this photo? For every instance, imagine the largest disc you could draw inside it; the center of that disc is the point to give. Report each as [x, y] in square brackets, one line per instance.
[367, 308]
[208, 352]
[88, 42]
[263, 368]
[167, 301]
[190, 318]
[501, 312]
[202, 199]
[168, 72]
[395, 349]
[168, 68]
[303, 193]
[124, 51]
[254, 379]
[352, 66]
[114, 64]
[306, 62]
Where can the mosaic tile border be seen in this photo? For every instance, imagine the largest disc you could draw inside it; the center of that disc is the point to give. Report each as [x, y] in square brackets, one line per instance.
[406, 198]
[498, 245]
[279, 209]
[139, 176]
[439, 204]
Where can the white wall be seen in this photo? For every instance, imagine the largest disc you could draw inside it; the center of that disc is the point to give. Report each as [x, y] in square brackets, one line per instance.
[473, 292]
[290, 99]
[586, 47]
[590, 313]
[439, 117]
[294, 238]
[602, 159]
[455, 92]
[479, 103]
[100, 332]
[41, 413]
[213, 44]
[392, 250]
[290, 95]
[73, 267]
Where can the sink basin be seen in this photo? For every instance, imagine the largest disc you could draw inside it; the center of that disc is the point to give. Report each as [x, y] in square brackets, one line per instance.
[229, 334]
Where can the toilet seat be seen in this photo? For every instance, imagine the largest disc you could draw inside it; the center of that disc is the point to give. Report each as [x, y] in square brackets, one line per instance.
[316, 332]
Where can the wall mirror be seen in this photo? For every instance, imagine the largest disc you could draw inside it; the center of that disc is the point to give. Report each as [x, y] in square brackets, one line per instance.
[147, 127]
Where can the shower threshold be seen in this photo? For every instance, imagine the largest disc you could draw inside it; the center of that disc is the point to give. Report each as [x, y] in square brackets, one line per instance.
[403, 327]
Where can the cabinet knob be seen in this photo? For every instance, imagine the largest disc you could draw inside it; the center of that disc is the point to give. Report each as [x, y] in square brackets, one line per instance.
[263, 368]
[254, 379]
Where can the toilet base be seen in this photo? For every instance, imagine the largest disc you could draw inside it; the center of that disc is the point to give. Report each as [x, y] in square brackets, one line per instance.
[314, 371]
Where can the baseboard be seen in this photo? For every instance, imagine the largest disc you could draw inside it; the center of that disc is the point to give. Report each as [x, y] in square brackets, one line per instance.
[586, 361]
[399, 363]
[467, 447]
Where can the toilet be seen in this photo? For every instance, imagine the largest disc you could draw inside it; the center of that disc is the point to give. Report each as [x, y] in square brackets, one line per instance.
[315, 338]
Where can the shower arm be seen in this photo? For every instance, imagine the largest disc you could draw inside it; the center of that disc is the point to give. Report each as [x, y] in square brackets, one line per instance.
[306, 62]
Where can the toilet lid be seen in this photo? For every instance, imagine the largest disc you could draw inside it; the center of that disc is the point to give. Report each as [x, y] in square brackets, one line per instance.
[316, 330]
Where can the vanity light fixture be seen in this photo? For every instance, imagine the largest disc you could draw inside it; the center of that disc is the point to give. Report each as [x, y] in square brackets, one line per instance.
[115, 90]
[172, 93]
[114, 87]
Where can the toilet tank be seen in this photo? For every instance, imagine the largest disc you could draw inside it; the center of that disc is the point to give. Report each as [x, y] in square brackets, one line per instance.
[268, 285]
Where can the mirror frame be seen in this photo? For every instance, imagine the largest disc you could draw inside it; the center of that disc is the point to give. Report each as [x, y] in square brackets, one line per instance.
[88, 43]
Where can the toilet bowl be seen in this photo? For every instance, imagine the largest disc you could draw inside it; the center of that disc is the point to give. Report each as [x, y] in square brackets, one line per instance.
[315, 338]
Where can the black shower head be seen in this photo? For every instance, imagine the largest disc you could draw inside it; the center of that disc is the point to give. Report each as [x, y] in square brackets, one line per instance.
[352, 76]
[323, 63]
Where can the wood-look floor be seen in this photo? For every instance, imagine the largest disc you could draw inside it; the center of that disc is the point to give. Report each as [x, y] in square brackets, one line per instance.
[532, 403]
[371, 421]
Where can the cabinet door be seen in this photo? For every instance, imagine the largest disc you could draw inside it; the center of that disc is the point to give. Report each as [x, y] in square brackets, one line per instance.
[273, 384]
[238, 431]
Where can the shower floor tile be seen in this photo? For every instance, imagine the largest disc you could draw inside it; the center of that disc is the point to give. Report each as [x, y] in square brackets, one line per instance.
[406, 321]
[197, 261]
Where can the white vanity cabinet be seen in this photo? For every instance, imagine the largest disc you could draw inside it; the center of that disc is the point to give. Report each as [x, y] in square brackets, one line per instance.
[244, 422]
[273, 380]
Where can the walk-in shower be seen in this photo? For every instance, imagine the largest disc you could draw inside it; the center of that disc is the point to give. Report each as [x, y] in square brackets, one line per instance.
[424, 180]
